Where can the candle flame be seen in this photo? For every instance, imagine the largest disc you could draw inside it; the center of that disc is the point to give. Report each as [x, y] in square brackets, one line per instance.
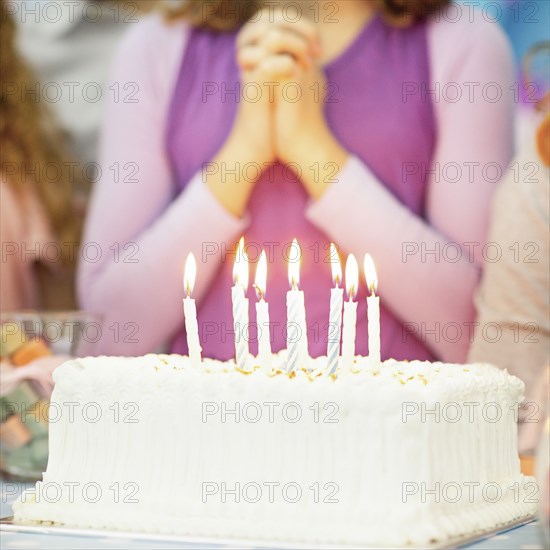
[189, 274]
[335, 265]
[261, 276]
[240, 267]
[352, 277]
[294, 255]
[370, 274]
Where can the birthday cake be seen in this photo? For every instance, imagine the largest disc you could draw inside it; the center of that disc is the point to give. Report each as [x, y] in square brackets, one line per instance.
[391, 454]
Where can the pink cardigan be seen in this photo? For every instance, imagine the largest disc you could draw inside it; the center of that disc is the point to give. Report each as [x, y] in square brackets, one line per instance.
[154, 233]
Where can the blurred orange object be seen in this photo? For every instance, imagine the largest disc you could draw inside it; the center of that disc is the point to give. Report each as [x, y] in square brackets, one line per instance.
[11, 338]
[527, 465]
[543, 140]
[28, 352]
[13, 433]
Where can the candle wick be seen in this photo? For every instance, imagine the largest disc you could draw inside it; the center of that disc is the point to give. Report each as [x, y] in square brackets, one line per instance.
[259, 293]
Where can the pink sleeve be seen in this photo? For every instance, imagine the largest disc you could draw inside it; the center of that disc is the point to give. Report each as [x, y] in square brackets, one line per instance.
[433, 292]
[138, 231]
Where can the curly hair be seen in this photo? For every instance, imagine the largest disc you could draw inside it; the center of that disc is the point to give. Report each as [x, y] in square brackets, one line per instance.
[227, 15]
[31, 143]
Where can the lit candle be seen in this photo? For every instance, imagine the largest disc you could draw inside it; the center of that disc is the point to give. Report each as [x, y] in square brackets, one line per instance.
[262, 314]
[350, 312]
[335, 317]
[240, 306]
[296, 329]
[190, 311]
[373, 308]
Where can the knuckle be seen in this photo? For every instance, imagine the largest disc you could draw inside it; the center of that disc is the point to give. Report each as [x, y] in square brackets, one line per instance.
[274, 37]
[286, 62]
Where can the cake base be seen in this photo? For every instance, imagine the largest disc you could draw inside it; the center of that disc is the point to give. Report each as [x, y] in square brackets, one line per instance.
[9, 525]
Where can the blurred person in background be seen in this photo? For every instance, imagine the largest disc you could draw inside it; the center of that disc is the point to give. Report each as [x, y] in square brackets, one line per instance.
[367, 153]
[39, 225]
[54, 63]
[70, 46]
[514, 294]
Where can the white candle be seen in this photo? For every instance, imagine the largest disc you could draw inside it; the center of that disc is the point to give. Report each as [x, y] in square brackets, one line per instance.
[335, 317]
[296, 339]
[262, 315]
[350, 312]
[373, 309]
[190, 311]
[240, 307]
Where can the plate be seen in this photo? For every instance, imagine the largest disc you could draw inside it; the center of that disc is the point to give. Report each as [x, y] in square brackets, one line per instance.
[8, 524]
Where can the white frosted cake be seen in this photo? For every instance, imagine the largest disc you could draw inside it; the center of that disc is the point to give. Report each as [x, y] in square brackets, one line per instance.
[400, 454]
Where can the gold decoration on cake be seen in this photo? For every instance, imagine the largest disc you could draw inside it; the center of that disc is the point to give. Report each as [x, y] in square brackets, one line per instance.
[313, 374]
[275, 372]
[244, 371]
[355, 368]
[422, 378]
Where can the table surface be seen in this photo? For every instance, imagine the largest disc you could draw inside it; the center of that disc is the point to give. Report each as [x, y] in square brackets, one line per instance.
[520, 538]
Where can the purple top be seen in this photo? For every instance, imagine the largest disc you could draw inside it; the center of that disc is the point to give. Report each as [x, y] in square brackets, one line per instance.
[367, 114]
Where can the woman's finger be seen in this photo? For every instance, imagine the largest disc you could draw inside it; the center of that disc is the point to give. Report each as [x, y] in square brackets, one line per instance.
[254, 31]
[278, 41]
[249, 57]
[278, 67]
[275, 42]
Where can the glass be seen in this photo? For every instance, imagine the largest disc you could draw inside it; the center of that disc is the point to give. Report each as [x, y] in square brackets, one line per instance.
[32, 344]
